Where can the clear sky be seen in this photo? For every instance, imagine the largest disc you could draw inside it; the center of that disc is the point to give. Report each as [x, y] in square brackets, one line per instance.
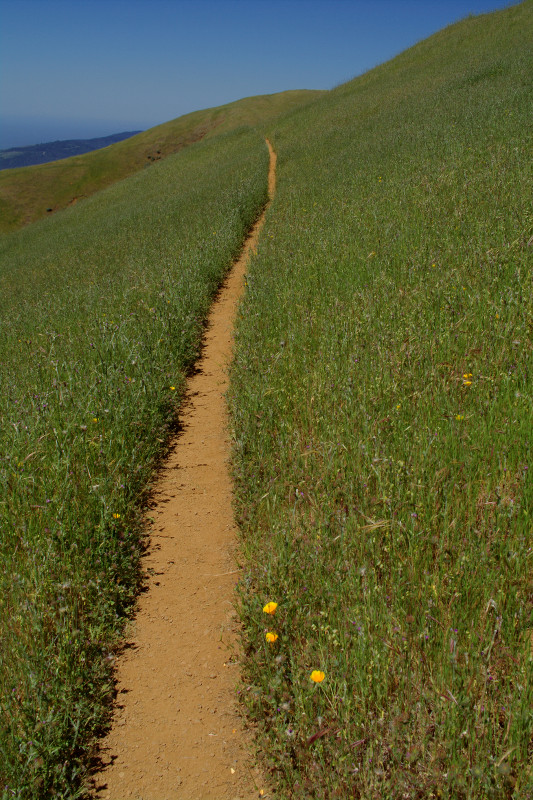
[85, 68]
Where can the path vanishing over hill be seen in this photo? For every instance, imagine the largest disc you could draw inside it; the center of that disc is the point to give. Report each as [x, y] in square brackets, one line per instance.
[30, 193]
[176, 731]
[380, 404]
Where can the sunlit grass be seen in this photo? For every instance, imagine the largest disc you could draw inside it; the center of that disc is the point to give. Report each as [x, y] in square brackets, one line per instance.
[381, 404]
[102, 314]
[382, 415]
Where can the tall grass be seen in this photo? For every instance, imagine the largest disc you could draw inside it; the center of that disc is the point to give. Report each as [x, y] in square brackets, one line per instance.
[382, 407]
[102, 314]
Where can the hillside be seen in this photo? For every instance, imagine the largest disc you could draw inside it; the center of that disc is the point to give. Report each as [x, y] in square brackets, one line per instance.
[382, 408]
[30, 193]
[381, 403]
[102, 312]
[30, 155]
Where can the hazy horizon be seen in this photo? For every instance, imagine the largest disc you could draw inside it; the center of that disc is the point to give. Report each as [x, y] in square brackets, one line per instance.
[21, 133]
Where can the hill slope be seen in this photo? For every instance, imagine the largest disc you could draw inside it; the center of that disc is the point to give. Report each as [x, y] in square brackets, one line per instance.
[29, 193]
[381, 402]
[102, 309]
[382, 410]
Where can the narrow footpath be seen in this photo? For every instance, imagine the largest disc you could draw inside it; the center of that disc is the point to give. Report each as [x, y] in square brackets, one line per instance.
[176, 733]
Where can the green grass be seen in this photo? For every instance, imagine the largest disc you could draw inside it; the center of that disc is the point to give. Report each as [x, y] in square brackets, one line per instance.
[382, 407]
[30, 193]
[102, 314]
[381, 403]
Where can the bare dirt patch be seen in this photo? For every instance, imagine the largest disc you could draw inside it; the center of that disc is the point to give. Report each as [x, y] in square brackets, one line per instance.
[177, 733]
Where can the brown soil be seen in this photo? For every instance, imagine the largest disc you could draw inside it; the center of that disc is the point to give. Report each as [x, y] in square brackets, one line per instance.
[177, 733]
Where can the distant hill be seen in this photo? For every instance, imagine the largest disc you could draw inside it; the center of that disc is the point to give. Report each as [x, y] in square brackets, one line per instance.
[30, 193]
[54, 151]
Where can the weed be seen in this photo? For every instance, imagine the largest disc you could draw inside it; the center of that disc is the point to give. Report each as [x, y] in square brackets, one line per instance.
[102, 314]
[382, 409]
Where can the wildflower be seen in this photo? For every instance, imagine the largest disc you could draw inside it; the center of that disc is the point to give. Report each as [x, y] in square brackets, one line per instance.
[398, 406]
[116, 516]
[172, 388]
[270, 608]
[95, 419]
[467, 383]
[271, 637]
[317, 676]
[459, 416]
[467, 375]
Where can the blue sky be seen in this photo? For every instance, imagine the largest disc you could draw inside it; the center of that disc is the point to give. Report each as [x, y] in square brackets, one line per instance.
[84, 68]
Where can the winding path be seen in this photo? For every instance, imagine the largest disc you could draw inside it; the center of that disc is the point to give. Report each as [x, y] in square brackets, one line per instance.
[176, 732]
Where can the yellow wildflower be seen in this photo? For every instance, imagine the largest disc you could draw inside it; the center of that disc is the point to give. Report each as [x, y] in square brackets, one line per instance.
[271, 637]
[172, 388]
[116, 516]
[459, 416]
[270, 608]
[317, 676]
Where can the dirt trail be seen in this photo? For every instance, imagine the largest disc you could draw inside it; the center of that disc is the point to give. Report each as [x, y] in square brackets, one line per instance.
[176, 732]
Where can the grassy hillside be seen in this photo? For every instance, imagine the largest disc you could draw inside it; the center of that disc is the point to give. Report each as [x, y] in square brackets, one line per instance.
[381, 402]
[29, 193]
[382, 408]
[102, 309]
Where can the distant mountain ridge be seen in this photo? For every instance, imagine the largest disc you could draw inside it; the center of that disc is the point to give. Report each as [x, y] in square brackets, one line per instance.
[54, 151]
